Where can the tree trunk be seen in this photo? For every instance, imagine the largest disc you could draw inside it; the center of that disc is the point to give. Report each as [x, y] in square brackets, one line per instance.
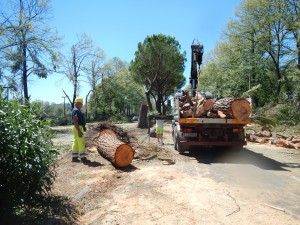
[143, 117]
[233, 108]
[117, 152]
[24, 70]
[149, 101]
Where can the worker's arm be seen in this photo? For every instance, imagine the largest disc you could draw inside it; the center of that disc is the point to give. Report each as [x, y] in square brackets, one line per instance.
[75, 119]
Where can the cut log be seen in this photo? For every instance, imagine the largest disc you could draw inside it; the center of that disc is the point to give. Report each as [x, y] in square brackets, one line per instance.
[117, 152]
[186, 106]
[295, 140]
[221, 114]
[188, 98]
[187, 113]
[233, 108]
[204, 107]
[254, 138]
[266, 133]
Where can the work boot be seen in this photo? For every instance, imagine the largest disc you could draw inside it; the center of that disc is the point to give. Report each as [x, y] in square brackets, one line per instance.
[75, 159]
[84, 160]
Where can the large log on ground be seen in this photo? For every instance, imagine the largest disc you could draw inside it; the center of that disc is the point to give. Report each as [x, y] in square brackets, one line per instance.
[233, 108]
[117, 152]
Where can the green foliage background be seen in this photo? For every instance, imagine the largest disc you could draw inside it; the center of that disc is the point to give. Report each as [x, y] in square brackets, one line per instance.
[258, 54]
[27, 159]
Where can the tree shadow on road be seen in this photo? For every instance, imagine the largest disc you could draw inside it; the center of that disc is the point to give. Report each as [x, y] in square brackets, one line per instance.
[219, 155]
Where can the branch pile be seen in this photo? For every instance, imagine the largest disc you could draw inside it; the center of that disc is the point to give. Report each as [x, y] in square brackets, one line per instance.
[199, 107]
[278, 140]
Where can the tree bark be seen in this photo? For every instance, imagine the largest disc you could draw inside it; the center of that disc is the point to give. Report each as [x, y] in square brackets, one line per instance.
[143, 117]
[198, 107]
[233, 108]
[203, 107]
[148, 100]
[117, 152]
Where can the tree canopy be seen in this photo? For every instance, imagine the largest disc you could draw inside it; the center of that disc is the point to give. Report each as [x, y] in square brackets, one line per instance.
[259, 56]
[117, 94]
[159, 66]
[27, 44]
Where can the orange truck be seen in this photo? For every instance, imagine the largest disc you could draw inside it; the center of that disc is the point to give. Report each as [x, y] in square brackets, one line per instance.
[208, 132]
[215, 127]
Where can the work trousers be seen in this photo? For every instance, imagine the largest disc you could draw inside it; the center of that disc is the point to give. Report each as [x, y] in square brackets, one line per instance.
[78, 146]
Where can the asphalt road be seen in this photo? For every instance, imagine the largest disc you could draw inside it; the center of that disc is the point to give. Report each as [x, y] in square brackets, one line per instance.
[264, 173]
[270, 173]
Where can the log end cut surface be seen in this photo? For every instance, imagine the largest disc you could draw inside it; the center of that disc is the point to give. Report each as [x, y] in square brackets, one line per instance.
[241, 109]
[124, 155]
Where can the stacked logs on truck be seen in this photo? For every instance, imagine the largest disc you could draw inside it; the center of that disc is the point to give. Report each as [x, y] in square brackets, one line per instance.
[199, 106]
[266, 137]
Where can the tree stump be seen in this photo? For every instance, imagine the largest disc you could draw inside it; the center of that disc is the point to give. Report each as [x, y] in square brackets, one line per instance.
[117, 152]
[143, 117]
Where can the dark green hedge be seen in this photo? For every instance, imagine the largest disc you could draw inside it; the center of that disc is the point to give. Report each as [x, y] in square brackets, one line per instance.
[27, 157]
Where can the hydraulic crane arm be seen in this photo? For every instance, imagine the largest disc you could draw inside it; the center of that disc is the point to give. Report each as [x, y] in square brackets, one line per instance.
[196, 59]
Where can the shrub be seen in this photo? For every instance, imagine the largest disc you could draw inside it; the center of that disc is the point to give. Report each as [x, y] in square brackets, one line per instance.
[27, 157]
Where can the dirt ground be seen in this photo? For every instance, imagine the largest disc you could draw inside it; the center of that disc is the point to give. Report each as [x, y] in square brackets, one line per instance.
[159, 187]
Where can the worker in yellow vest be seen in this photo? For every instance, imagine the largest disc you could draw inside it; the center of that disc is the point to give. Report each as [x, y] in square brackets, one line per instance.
[78, 129]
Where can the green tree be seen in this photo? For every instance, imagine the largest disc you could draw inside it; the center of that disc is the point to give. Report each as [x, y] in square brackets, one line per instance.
[29, 44]
[158, 66]
[273, 37]
[292, 17]
[117, 93]
[257, 57]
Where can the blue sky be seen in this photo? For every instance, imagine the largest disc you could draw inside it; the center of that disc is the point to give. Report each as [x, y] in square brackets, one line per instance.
[118, 26]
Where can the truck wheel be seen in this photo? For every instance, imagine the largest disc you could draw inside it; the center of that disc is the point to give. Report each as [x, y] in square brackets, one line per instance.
[178, 147]
[174, 138]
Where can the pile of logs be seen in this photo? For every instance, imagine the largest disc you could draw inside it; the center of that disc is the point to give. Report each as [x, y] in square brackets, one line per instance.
[199, 106]
[278, 140]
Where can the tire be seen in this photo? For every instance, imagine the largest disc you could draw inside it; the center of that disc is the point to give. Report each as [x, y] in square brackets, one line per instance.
[177, 146]
[175, 139]
[180, 149]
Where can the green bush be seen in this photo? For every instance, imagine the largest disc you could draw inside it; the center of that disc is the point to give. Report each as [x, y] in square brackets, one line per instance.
[27, 157]
[283, 118]
[287, 114]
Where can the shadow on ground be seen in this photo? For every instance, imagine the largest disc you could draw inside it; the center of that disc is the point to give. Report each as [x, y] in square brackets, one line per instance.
[245, 156]
[51, 210]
